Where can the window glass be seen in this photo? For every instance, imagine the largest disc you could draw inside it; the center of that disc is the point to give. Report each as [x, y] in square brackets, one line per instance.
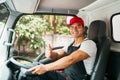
[35, 32]
[116, 27]
[4, 13]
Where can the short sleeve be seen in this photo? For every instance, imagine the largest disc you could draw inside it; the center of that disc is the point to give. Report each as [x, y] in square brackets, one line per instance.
[89, 47]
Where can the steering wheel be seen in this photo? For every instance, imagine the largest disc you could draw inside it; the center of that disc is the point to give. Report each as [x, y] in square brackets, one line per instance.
[37, 61]
[15, 60]
[23, 67]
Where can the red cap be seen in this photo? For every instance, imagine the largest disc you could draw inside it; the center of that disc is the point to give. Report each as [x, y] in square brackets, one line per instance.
[74, 19]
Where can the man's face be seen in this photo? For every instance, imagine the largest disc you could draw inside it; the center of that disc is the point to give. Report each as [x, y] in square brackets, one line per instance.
[77, 30]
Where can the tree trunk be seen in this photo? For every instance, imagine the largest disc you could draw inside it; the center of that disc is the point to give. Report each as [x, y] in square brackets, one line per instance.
[53, 23]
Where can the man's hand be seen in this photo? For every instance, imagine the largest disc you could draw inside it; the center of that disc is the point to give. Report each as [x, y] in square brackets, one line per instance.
[49, 53]
[39, 69]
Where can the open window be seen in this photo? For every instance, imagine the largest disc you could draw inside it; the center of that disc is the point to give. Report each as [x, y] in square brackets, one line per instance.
[35, 32]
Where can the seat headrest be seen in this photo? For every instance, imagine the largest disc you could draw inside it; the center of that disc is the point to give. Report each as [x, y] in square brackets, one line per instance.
[97, 30]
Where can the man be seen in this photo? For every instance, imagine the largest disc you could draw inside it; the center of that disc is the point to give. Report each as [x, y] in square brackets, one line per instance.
[77, 59]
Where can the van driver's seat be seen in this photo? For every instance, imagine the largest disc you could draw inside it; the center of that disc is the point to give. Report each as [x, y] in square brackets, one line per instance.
[97, 33]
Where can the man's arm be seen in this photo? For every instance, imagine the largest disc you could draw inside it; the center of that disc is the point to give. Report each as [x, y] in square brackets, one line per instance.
[61, 63]
[67, 60]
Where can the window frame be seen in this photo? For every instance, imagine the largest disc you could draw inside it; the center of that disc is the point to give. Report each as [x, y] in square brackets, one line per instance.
[112, 32]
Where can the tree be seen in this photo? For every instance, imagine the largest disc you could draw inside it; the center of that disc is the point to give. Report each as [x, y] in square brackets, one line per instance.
[31, 28]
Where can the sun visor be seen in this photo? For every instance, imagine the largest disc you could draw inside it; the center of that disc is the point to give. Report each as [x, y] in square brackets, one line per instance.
[62, 7]
[23, 6]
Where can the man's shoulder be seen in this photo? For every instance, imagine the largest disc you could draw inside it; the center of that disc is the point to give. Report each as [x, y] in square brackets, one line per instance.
[89, 42]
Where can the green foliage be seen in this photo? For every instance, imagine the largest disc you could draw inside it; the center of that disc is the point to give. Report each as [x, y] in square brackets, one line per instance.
[31, 28]
[64, 30]
[4, 13]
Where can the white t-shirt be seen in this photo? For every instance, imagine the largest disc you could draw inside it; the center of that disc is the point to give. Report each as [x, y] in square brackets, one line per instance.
[90, 48]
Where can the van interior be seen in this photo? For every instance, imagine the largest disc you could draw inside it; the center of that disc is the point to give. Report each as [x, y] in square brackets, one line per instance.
[101, 18]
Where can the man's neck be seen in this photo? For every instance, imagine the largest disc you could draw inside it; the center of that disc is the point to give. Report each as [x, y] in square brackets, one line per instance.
[79, 40]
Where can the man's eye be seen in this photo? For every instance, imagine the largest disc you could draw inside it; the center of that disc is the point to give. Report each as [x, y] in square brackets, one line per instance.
[78, 26]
